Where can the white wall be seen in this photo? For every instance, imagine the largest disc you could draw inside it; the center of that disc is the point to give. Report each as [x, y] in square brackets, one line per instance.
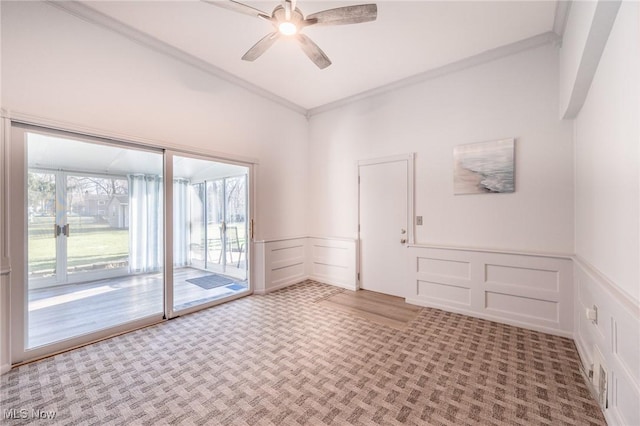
[607, 216]
[511, 97]
[607, 138]
[59, 67]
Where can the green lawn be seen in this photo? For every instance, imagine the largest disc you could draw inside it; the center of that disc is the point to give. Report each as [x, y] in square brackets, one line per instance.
[91, 244]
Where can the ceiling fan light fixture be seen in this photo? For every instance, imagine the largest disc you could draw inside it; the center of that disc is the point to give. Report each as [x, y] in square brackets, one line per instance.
[289, 21]
[287, 28]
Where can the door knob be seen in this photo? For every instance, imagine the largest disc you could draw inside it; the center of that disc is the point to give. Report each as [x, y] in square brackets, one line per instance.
[402, 241]
[403, 231]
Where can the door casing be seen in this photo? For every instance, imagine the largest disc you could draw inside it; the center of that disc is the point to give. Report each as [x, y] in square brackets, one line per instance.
[408, 161]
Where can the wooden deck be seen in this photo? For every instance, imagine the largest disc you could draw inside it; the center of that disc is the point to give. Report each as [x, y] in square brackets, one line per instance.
[61, 312]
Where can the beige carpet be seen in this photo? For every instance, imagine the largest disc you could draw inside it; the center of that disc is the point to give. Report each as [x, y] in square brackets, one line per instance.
[284, 359]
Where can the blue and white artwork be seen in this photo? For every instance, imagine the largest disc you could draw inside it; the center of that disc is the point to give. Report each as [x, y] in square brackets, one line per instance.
[485, 167]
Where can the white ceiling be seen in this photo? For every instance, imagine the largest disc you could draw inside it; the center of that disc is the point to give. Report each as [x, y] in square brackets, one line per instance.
[408, 38]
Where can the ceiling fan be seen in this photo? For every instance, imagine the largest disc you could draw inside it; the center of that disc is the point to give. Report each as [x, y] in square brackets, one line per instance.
[289, 21]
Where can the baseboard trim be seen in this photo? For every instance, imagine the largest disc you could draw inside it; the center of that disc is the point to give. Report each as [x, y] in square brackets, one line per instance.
[4, 368]
[324, 280]
[280, 286]
[299, 280]
[500, 320]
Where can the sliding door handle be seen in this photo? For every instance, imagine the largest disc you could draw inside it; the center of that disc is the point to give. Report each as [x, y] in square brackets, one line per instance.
[65, 230]
[57, 230]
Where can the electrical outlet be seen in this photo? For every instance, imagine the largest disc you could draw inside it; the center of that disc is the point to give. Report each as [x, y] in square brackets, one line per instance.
[419, 220]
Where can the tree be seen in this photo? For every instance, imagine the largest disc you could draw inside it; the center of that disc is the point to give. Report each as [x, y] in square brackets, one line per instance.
[41, 188]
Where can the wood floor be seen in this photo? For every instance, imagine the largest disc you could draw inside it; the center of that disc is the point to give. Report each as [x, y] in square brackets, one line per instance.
[57, 313]
[380, 308]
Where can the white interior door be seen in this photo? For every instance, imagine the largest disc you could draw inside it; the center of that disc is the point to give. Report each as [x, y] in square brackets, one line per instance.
[385, 199]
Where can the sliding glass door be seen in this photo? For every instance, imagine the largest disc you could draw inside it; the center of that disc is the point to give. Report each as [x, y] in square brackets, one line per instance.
[209, 231]
[100, 257]
[91, 227]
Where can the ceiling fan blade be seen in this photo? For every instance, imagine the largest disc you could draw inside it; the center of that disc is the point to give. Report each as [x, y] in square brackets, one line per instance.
[344, 15]
[238, 7]
[287, 9]
[313, 51]
[260, 47]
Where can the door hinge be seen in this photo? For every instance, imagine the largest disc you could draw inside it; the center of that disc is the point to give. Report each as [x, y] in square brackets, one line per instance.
[358, 179]
[358, 276]
[251, 228]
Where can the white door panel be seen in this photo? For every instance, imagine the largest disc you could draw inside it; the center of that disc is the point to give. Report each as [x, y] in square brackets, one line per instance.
[384, 205]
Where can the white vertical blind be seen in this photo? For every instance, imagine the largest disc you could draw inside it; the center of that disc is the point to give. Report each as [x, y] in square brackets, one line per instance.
[145, 219]
[181, 218]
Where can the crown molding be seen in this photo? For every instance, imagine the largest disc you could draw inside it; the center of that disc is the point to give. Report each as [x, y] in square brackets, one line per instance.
[91, 15]
[472, 61]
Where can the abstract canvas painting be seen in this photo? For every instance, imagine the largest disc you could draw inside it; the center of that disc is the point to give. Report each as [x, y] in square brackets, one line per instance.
[484, 167]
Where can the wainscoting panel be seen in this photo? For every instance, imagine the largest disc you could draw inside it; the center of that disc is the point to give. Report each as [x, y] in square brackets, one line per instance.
[525, 306]
[444, 268]
[526, 277]
[615, 335]
[527, 290]
[445, 292]
[332, 261]
[282, 261]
